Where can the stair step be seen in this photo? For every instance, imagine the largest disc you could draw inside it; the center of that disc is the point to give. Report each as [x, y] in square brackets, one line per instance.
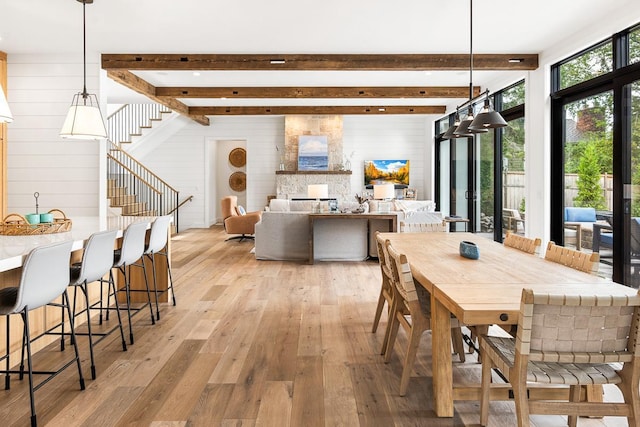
[124, 199]
[141, 213]
[113, 192]
[133, 208]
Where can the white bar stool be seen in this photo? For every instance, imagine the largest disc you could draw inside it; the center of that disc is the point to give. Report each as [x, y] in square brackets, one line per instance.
[97, 260]
[45, 276]
[131, 251]
[158, 238]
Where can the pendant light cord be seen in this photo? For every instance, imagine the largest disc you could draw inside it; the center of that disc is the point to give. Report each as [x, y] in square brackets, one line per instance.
[470, 49]
[84, 51]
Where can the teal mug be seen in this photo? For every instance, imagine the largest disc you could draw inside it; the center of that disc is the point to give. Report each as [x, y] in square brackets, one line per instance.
[32, 218]
[46, 217]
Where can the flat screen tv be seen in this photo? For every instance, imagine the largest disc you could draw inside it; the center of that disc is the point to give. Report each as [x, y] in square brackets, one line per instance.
[386, 172]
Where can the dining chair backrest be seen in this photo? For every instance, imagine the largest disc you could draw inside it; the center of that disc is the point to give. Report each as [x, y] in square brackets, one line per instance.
[159, 234]
[97, 258]
[634, 240]
[524, 244]
[133, 241]
[45, 276]
[383, 255]
[422, 227]
[578, 328]
[571, 258]
[401, 273]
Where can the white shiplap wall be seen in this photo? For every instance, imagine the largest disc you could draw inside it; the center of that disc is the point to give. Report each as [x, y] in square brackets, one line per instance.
[66, 173]
[187, 160]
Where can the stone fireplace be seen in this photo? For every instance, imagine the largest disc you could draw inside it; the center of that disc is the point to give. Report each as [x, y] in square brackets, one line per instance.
[291, 183]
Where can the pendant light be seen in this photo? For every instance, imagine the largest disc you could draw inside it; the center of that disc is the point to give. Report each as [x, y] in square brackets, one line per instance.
[5, 112]
[487, 118]
[456, 122]
[84, 119]
[463, 129]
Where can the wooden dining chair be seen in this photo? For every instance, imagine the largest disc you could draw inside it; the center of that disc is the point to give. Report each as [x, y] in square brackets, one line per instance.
[568, 340]
[582, 261]
[524, 244]
[386, 287]
[411, 309]
[422, 227]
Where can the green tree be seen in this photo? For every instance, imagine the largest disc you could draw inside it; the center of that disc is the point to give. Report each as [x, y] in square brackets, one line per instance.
[589, 190]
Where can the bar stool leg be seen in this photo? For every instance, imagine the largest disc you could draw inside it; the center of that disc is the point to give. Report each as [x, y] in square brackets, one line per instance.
[112, 286]
[173, 295]
[25, 319]
[7, 364]
[146, 283]
[127, 291]
[65, 297]
[83, 288]
[155, 286]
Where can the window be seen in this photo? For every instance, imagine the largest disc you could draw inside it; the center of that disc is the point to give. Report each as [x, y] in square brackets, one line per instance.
[587, 65]
[513, 96]
[634, 46]
[594, 151]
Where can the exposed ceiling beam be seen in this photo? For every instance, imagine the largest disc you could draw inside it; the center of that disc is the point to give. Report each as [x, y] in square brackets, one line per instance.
[316, 92]
[133, 82]
[320, 110]
[335, 62]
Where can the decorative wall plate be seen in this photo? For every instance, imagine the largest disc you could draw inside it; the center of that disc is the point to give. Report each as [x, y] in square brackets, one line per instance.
[238, 157]
[238, 181]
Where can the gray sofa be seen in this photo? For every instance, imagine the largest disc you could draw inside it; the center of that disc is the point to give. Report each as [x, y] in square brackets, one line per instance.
[283, 232]
[285, 236]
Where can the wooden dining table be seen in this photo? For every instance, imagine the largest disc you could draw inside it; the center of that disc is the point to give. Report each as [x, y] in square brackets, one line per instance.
[485, 291]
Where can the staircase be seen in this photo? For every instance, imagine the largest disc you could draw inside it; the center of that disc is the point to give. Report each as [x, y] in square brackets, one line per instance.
[133, 189]
[129, 121]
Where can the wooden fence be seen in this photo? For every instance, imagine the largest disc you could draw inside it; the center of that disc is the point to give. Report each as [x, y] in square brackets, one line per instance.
[514, 190]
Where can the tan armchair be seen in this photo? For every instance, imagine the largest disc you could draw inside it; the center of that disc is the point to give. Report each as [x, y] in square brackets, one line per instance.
[235, 223]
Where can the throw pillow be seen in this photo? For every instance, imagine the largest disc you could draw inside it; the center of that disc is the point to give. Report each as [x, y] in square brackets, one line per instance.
[240, 210]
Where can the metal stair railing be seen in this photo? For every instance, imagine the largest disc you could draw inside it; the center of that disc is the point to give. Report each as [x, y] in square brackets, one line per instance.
[153, 196]
[130, 119]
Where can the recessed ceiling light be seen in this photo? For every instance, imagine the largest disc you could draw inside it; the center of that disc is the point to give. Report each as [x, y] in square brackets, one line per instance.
[516, 60]
[277, 61]
[195, 73]
[382, 109]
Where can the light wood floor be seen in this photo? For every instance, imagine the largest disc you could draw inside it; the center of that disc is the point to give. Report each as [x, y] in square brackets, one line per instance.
[253, 344]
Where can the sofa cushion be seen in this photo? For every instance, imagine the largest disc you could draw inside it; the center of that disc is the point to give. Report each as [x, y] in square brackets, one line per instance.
[279, 205]
[573, 214]
[240, 210]
[415, 205]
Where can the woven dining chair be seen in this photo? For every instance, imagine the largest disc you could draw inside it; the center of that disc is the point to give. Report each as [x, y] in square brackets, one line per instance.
[524, 244]
[411, 309]
[572, 258]
[422, 227]
[386, 288]
[569, 340]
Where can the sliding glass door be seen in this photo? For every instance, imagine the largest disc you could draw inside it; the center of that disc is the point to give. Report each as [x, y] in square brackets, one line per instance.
[455, 171]
[631, 188]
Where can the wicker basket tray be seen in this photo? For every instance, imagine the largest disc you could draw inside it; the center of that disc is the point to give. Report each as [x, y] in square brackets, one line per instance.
[16, 225]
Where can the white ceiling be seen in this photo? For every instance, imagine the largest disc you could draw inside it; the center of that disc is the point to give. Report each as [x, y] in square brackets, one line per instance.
[298, 26]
